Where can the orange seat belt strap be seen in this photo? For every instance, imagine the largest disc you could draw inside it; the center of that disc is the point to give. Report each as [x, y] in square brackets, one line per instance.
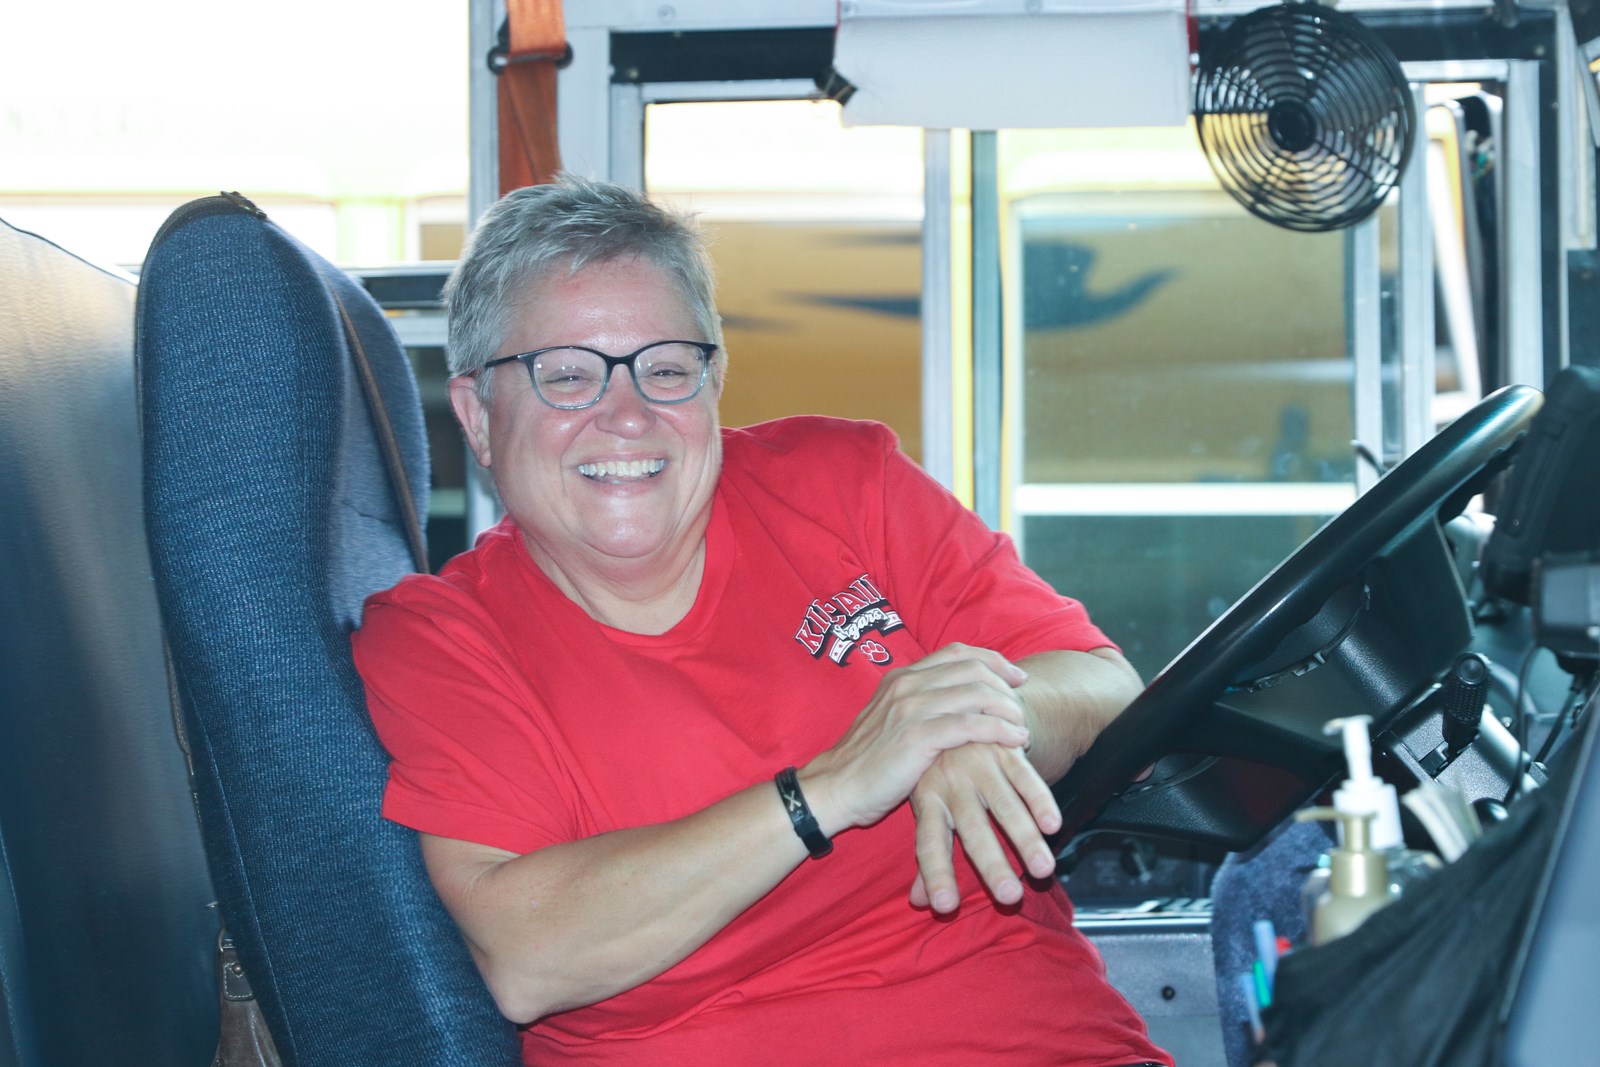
[530, 153]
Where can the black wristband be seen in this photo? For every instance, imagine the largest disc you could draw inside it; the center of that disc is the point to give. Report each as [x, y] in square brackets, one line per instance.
[800, 817]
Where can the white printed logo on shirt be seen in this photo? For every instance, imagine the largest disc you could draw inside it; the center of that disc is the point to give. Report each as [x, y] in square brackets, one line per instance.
[837, 624]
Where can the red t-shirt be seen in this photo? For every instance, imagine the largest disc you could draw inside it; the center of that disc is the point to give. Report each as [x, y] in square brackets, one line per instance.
[515, 720]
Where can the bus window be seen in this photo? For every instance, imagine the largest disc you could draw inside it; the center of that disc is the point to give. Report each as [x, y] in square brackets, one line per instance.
[816, 233]
[1179, 383]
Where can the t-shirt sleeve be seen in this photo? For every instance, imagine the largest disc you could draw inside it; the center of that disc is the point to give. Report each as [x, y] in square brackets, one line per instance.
[471, 757]
[960, 581]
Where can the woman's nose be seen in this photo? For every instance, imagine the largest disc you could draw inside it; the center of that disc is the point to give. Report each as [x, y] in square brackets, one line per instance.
[622, 410]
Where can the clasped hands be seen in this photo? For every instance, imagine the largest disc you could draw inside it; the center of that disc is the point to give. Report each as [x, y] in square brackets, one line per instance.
[950, 732]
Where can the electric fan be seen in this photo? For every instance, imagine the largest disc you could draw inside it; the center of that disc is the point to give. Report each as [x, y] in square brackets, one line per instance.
[1305, 115]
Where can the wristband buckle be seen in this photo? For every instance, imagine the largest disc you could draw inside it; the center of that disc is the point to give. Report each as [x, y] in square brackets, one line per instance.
[800, 815]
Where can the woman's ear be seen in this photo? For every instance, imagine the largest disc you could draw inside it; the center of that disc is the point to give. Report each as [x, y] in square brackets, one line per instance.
[473, 415]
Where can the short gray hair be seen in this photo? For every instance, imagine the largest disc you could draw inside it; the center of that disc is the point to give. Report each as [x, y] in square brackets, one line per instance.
[533, 232]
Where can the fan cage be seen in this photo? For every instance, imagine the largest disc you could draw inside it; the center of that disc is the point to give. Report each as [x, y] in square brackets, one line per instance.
[1305, 115]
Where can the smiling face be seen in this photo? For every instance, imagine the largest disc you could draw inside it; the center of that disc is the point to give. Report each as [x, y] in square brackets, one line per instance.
[620, 491]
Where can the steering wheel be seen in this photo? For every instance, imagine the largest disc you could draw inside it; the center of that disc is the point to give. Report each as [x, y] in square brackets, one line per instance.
[1362, 618]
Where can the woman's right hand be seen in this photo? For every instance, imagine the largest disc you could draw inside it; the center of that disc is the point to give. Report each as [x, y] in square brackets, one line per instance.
[957, 695]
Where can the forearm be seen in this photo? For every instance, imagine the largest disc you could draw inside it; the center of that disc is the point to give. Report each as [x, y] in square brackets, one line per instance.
[1069, 698]
[575, 923]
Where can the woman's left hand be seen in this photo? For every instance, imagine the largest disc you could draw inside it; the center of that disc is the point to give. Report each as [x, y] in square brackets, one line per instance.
[969, 792]
[993, 797]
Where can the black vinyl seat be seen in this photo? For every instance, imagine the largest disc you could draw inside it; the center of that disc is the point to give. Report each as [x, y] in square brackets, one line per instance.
[107, 935]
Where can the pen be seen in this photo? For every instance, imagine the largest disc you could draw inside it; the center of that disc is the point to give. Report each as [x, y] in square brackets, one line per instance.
[1258, 972]
[1247, 985]
[1266, 947]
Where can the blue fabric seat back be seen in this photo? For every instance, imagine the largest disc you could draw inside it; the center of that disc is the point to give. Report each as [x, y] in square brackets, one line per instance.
[271, 517]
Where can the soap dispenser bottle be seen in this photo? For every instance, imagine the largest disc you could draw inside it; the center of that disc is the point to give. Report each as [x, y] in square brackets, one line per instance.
[1358, 877]
[1365, 793]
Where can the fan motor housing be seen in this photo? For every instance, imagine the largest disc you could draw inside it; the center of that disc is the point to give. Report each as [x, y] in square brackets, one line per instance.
[1292, 125]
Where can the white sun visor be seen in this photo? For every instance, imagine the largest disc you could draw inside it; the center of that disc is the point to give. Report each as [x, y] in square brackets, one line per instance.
[1010, 64]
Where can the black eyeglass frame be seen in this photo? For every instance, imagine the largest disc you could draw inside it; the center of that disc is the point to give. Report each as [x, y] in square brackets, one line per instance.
[707, 350]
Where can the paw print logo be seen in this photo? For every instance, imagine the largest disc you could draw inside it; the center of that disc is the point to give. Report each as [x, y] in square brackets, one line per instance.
[874, 651]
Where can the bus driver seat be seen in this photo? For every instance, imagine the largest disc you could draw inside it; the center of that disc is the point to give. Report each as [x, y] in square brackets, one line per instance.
[273, 508]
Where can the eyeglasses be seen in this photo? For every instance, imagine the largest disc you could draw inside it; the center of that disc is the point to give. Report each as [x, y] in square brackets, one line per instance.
[570, 378]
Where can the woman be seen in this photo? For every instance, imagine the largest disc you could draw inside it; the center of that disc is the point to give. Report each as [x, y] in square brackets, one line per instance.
[692, 660]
